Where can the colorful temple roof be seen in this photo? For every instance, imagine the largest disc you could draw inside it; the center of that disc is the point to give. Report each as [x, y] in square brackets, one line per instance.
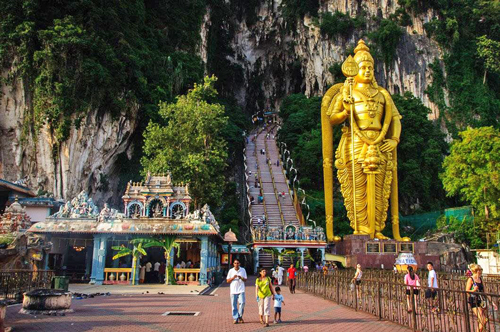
[126, 226]
[153, 207]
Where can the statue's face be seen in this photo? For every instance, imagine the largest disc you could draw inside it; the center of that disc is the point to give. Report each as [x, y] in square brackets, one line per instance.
[365, 73]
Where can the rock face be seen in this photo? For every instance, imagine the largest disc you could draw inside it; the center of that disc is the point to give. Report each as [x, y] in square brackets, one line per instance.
[276, 61]
[84, 162]
[299, 60]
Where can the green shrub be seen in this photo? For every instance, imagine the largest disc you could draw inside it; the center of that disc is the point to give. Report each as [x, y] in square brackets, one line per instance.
[338, 23]
[386, 39]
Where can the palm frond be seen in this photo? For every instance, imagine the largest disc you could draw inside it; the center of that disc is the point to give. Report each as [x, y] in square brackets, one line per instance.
[121, 254]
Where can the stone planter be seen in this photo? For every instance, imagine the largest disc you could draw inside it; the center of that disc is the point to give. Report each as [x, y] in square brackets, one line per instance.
[46, 301]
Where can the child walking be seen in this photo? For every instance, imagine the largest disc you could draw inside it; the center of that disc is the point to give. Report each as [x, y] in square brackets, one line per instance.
[278, 300]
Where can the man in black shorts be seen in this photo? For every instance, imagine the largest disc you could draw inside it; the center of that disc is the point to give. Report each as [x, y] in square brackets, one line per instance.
[431, 292]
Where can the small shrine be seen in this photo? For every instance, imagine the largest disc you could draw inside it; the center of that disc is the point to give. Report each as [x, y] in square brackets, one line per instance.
[84, 236]
[14, 219]
[18, 249]
[157, 197]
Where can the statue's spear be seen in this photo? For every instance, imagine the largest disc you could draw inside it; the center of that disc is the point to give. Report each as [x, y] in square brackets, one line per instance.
[350, 69]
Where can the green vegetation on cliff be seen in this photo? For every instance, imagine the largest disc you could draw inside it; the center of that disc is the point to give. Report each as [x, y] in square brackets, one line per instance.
[113, 56]
[468, 32]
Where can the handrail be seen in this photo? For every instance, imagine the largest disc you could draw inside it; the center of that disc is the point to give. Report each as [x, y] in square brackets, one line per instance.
[274, 183]
[446, 310]
[260, 177]
[295, 192]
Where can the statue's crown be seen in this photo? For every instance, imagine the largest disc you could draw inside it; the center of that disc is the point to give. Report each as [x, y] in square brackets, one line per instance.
[362, 53]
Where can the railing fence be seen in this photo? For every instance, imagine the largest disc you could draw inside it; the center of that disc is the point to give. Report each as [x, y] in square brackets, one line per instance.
[447, 310]
[15, 282]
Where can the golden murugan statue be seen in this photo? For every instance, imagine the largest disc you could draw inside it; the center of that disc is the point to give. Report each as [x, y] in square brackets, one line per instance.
[366, 156]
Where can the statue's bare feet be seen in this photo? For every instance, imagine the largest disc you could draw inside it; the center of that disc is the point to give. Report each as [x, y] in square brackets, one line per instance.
[381, 236]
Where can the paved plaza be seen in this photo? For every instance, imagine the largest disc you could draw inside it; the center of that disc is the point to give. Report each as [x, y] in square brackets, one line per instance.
[136, 313]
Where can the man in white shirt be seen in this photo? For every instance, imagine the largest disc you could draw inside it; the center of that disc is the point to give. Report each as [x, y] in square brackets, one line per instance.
[157, 270]
[432, 283]
[236, 277]
[280, 274]
[149, 266]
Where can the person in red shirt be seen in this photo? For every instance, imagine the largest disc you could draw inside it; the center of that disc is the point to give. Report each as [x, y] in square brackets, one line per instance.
[291, 278]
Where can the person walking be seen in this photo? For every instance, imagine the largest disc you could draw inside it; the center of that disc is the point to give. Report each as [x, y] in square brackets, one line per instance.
[236, 277]
[142, 274]
[149, 266]
[264, 292]
[291, 278]
[278, 300]
[411, 281]
[280, 274]
[274, 277]
[357, 279]
[432, 283]
[476, 301]
[156, 273]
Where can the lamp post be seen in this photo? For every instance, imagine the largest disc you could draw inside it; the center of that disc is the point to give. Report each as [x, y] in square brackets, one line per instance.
[230, 237]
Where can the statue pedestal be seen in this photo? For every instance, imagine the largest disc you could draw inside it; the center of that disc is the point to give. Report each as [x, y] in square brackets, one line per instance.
[359, 249]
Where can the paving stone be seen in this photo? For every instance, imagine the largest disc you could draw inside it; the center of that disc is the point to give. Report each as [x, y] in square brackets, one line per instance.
[137, 313]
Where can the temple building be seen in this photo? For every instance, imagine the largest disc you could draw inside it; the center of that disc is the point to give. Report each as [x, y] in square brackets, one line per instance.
[83, 236]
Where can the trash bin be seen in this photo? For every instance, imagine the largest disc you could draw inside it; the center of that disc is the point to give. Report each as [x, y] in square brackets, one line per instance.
[60, 282]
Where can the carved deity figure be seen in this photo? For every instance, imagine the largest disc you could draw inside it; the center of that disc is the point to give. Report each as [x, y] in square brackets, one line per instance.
[105, 213]
[366, 155]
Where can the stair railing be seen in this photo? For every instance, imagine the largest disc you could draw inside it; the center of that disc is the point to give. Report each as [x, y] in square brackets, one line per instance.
[269, 165]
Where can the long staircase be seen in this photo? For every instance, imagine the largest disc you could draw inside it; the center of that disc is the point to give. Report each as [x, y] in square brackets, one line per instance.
[265, 170]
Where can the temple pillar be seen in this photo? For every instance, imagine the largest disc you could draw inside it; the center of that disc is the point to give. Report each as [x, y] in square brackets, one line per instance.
[203, 260]
[256, 259]
[322, 254]
[302, 256]
[99, 258]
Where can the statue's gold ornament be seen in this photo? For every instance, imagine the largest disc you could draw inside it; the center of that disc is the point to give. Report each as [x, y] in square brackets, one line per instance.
[366, 156]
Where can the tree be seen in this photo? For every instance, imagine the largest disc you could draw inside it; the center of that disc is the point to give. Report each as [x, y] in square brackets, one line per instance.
[420, 155]
[166, 243]
[471, 170]
[190, 145]
[136, 252]
[489, 51]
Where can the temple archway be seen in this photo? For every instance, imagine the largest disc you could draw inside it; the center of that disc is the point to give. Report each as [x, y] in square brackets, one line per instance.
[135, 209]
[156, 208]
[178, 210]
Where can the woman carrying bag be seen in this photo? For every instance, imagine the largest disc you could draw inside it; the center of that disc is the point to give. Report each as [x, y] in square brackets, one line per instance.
[478, 302]
[264, 292]
[411, 280]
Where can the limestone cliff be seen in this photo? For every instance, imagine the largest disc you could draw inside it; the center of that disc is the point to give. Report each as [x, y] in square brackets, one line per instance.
[299, 60]
[275, 59]
[84, 162]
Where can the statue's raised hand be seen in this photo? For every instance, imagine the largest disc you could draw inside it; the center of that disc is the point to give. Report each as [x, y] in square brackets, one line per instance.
[347, 91]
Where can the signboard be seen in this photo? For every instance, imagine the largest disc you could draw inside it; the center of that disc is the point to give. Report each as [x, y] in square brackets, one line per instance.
[406, 247]
[224, 259]
[372, 248]
[390, 248]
